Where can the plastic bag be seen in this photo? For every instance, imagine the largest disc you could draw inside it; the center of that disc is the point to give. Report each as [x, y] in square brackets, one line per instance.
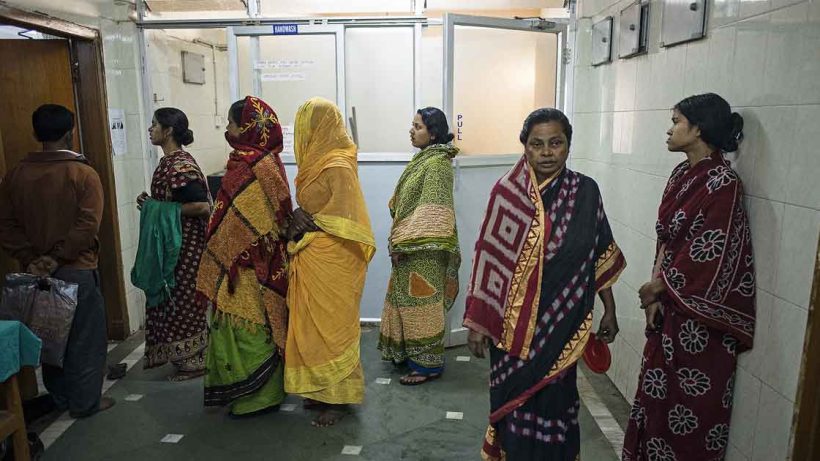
[46, 306]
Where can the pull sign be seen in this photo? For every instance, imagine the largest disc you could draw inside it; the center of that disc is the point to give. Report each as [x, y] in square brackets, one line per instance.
[460, 124]
[285, 29]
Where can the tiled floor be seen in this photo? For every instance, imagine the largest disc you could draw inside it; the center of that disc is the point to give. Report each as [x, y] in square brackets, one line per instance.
[395, 423]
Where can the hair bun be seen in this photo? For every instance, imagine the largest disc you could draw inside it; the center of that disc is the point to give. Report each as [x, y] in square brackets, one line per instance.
[449, 137]
[735, 133]
[737, 126]
[187, 137]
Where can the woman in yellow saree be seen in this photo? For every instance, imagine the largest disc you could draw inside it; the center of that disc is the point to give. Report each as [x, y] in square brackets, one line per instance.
[331, 245]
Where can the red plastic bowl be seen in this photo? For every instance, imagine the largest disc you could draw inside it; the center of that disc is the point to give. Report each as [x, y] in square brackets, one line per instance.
[596, 355]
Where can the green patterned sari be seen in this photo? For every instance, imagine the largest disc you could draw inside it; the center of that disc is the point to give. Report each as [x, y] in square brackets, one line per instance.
[424, 281]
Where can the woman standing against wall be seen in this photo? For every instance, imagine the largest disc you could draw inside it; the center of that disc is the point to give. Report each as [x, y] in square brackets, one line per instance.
[700, 302]
[176, 329]
[424, 251]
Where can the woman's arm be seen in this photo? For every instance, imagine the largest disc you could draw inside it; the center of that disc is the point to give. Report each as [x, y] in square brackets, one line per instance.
[608, 328]
[194, 199]
[196, 210]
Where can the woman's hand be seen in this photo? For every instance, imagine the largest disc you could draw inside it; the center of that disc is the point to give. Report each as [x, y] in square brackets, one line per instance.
[477, 343]
[396, 258]
[284, 229]
[653, 312]
[301, 222]
[608, 328]
[650, 291]
[141, 199]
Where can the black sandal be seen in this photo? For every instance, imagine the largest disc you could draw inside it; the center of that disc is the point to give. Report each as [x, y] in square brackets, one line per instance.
[117, 371]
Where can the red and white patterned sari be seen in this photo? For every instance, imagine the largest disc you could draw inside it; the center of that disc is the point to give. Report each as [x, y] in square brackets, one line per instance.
[176, 330]
[684, 398]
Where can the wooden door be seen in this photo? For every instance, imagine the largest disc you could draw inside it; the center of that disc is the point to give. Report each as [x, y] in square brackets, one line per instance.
[97, 148]
[807, 418]
[41, 74]
[7, 264]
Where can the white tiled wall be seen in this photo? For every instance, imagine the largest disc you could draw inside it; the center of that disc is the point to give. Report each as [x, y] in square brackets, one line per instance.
[207, 119]
[764, 58]
[124, 86]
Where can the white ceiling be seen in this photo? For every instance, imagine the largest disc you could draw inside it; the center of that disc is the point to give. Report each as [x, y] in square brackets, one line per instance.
[337, 7]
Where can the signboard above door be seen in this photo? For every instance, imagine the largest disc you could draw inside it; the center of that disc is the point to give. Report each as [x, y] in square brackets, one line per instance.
[285, 29]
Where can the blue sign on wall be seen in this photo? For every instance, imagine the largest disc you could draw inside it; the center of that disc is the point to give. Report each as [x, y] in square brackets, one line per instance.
[285, 29]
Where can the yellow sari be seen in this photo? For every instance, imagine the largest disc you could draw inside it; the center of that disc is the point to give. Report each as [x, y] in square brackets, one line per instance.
[327, 268]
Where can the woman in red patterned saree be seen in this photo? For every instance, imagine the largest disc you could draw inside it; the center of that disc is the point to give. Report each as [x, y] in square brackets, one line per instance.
[544, 252]
[243, 272]
[176, 329]
[700, 303]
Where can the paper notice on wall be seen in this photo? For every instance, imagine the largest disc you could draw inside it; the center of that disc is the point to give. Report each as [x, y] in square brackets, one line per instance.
[283, 64]
[283, 77]
[116, 122]
[287, 139]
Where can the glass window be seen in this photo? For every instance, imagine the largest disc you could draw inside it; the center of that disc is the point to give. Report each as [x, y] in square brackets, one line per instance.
[379, 75]
[500, 76]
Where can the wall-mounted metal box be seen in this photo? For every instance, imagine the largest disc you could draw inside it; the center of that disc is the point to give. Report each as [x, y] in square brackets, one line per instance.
[633, 29]
[602, 42]
[193, 68]
[683, 21]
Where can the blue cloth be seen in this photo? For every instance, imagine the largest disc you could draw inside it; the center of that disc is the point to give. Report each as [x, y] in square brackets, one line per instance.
[158, 251]
[19, 347]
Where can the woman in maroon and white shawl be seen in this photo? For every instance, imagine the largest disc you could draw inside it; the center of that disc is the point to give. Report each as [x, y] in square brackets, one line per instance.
[700, 303]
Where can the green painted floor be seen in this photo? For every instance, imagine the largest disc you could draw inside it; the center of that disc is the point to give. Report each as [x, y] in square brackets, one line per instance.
[395, 422]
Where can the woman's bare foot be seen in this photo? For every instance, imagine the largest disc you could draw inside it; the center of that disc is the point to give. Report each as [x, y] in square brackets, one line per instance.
[185, 375]
[330, 415]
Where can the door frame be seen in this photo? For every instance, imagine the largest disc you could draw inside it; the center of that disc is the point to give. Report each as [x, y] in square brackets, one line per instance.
[85, 46]
[807, 408]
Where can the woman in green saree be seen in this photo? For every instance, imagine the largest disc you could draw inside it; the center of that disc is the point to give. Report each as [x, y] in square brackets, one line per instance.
[424, 251]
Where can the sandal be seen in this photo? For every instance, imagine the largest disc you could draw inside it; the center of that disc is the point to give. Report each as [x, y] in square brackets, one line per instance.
[405, 380]
[117, 371]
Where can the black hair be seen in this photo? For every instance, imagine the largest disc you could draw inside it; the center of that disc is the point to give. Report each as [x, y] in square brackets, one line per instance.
[51, 122]
[545, 115]
[171, 117]
[436, 123]
[235, 112]
[719, 126]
